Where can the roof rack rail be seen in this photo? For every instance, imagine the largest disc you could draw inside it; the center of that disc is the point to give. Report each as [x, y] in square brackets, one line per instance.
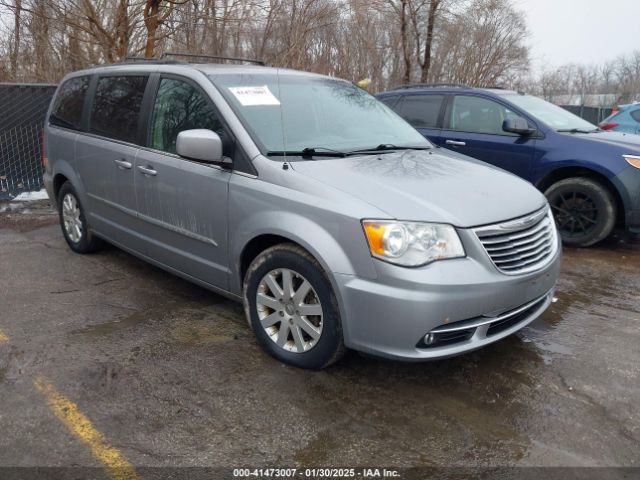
[431, 85]
[212, 57]
[151, 60]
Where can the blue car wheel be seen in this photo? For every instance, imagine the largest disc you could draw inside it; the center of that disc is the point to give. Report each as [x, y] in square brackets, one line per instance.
[585, 211]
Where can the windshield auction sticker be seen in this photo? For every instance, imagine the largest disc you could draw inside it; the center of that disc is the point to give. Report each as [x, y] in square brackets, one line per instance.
[252, 96]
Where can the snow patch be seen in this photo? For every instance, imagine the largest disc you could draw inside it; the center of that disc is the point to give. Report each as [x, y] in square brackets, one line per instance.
[31, 196]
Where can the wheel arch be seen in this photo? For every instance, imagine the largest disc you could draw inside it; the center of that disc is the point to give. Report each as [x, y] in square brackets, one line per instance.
[574, 171]
[64, 172]
[259, 244]
[58, 180]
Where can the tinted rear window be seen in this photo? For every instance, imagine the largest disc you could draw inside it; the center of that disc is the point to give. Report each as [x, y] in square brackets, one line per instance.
[389, 101]
[116, 107]
[636, 115]
[67, 109]
[421, 111]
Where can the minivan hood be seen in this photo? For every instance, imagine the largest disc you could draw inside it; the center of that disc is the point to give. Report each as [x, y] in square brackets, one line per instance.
[429, 186]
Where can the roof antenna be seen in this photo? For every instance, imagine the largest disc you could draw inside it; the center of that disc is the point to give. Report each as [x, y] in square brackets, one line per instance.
[285, 166]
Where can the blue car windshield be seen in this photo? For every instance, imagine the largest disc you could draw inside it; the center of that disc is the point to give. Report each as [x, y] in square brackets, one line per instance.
[288, 112]
[556, 117]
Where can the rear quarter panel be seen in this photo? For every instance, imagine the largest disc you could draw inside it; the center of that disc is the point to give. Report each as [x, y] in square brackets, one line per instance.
[60, 149]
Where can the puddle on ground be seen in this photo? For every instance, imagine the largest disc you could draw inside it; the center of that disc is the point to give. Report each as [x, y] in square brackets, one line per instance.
[549, 349]
[594, 282]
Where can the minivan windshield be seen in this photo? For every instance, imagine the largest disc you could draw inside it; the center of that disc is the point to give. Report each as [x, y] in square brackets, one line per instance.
[556, 117]
[292, 113]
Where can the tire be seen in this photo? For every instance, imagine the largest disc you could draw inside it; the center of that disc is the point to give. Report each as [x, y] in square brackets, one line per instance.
[279, 325]
[584, 209]
[73, 222]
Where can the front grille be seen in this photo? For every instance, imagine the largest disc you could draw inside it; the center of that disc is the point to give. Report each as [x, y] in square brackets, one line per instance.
[521, 245]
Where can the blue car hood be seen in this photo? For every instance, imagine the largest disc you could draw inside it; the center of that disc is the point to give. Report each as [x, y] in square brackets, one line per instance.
[628, 142]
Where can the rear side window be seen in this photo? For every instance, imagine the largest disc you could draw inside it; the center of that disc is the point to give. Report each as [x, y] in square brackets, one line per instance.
[636, 115]
[68, 106]
[389, 101]
[179, 106]
[116, 107]
[421, 111]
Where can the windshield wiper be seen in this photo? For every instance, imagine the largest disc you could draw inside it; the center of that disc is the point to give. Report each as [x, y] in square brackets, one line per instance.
[308, 152]
[576, 130]
[384, 147]
[311, 152]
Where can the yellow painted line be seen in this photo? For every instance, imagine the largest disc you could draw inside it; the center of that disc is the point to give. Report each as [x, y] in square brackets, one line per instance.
[68, 413]
[3, 337]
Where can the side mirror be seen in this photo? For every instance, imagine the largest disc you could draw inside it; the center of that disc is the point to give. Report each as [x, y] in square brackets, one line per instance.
[200, 144]
[517, 125]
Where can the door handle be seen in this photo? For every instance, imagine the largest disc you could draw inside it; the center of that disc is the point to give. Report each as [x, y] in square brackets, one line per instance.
[123, 164]
[147, 171]
[455, 143]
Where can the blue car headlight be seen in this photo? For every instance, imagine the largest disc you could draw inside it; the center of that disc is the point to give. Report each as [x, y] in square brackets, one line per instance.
[633, 160]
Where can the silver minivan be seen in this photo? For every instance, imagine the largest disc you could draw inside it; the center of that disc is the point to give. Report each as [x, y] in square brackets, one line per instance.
[332, 219]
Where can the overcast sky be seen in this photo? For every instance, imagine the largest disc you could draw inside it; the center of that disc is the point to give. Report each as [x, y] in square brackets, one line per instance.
[580, 31]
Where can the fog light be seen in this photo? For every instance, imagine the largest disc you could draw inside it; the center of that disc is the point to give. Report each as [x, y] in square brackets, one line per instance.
[429, 338]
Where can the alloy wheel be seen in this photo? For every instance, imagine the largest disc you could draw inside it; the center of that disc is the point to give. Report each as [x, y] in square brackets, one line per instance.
[71, 218]
[289, 310]
[576, 213]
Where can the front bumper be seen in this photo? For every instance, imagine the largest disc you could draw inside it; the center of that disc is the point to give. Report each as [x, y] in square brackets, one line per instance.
[628, 184]
[391, 315]
[633, 220]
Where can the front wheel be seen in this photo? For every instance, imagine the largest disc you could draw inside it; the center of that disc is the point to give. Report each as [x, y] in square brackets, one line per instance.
[291, 308]
[585, 210]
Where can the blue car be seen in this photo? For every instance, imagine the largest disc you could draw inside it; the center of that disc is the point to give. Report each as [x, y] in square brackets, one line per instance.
[591, 177]
[625, 119]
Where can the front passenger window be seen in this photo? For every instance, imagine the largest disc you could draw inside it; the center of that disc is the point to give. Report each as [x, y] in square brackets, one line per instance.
[479, 115]
[180, 106]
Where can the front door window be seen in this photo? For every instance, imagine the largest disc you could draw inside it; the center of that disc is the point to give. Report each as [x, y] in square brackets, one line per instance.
[180, 106]
[479, 115]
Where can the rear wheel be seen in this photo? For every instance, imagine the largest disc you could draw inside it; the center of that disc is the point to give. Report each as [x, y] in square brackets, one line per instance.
[291, 308]
[585, 210]
[74, 223]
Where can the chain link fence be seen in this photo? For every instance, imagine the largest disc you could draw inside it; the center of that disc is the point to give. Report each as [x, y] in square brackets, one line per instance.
[22, 113]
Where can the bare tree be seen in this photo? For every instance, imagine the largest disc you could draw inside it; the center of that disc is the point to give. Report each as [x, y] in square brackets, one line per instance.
[387, 41]
[156, 12]
[434, 5]
[16, 37]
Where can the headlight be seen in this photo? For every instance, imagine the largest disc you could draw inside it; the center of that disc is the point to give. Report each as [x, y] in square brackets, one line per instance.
[412, 244]
[633, 160]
